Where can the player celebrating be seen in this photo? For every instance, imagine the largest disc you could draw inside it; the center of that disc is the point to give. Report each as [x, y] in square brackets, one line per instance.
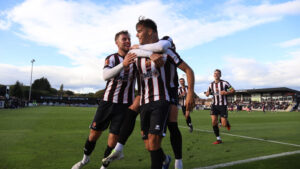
[182, 92]
[219, 89]
[172, 78]
[118, 95]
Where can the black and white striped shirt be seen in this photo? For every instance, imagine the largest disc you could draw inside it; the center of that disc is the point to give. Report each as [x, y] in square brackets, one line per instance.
[215, 89]
[155, 82]
[182, 90]
[120, 89]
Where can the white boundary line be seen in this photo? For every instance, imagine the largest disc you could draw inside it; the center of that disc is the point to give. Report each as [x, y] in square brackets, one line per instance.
[250, 160]
[247, 137]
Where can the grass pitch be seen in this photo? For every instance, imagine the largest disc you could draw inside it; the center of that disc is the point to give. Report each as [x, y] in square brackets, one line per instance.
[53, 138]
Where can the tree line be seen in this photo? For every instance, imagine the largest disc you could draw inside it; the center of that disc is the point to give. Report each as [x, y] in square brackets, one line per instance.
[42, 87]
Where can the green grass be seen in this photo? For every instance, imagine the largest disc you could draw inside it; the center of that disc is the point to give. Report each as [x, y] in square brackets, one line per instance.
[53, 137]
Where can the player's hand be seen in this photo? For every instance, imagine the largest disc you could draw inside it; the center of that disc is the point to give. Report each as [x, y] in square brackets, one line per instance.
[157, 59]
[136, 46]
[223, 93]
[190, 102]
[129, 58]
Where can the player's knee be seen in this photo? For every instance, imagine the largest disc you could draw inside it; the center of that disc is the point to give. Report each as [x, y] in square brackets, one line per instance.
[94, 135]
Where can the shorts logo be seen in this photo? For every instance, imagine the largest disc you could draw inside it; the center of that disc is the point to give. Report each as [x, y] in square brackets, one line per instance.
[157, 127]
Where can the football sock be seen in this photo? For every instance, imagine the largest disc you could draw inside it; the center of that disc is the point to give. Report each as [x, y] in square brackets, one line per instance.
[227, 121]
[157, 158]
[85, 159]
[176, 139]
[106, 153]
[127, 126]
[178, 163]
[216, 130]
[89, 147]
[119, 147]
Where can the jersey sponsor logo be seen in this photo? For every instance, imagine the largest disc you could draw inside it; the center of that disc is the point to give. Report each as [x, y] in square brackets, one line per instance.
[150, 74]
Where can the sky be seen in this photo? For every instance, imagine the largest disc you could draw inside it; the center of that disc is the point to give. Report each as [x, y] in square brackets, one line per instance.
[256, 43]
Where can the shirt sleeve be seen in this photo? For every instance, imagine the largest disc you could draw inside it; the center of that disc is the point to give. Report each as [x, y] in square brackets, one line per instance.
[109, 73]
[228, 86]
[160, 46]
[141, 52]
[109, 62]
[174, 57]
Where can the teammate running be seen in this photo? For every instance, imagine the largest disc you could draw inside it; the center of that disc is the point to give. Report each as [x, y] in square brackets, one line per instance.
[219, 89]
[182, 92]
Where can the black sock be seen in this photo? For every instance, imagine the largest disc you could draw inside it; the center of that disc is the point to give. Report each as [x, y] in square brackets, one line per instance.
[157, 158]
[227, 123]
[176, 139]
[216, 130]
[127, 126]
[89, 147]
[188, 120]
[107, 153]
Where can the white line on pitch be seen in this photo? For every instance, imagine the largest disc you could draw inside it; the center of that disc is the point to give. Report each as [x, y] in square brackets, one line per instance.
[247, 137]
[250, 160]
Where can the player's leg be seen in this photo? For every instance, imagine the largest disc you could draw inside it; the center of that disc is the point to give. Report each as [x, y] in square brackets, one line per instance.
[114, 130]
[224, 117]
[175, 136]
[125, 131]
[214, 120]
[159, 114]
[99, 124]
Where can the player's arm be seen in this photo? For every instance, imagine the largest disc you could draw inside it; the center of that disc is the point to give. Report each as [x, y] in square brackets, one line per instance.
[160, 46]
[230, 90]
[190, 102]
[109, 72]
[208, 92]
[157, 58]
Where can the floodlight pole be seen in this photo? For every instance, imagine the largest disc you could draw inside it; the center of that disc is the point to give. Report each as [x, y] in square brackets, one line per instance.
[32, 61]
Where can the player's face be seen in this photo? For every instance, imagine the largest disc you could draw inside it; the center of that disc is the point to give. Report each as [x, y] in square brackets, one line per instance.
[182, 82]
[143, 34]
[217, 75]
[123, 42]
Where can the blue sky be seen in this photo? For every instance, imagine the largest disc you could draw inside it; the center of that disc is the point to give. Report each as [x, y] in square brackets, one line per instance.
[255, 43]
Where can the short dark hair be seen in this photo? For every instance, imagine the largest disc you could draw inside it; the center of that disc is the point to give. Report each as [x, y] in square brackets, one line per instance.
[218, 70]
[181, 79]
[148, 23]
[125, 32]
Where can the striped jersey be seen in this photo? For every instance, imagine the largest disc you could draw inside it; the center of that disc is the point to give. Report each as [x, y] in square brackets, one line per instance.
[182, 90]
[119, 89]
[154, 82]
[215, 89]
[173, 78]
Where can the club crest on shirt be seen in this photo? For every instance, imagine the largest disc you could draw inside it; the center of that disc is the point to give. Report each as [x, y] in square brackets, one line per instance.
[106, 62]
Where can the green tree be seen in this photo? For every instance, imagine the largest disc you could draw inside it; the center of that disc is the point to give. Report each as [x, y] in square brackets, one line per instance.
[61, 90]
[41, 84]
[99, 93]
[17, 90]
[69, 93]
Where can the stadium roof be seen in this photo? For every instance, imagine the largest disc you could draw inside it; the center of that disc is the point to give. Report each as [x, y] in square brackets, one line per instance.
[270, 90]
